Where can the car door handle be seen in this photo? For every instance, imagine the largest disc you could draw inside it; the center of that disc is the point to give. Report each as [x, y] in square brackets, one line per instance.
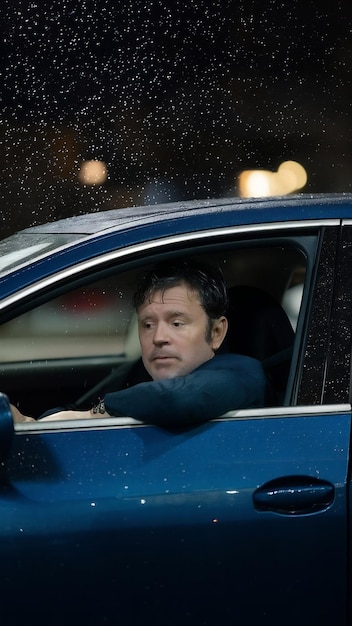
[294, 495]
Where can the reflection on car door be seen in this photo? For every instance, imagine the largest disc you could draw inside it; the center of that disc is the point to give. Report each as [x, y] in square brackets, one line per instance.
[240, 520]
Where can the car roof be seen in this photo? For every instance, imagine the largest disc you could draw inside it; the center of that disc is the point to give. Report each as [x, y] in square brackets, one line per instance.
[310, 206]
[93, 234]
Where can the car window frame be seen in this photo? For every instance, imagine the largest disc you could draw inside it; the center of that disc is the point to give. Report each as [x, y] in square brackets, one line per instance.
[270, 231]
[326, 351]
[305, 244]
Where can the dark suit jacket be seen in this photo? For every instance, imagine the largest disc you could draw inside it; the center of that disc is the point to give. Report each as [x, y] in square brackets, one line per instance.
[225, 382]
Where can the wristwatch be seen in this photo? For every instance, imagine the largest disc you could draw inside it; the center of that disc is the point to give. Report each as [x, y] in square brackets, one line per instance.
[99, 408]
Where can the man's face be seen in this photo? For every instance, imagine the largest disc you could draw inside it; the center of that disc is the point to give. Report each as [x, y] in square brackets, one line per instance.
[172, 332]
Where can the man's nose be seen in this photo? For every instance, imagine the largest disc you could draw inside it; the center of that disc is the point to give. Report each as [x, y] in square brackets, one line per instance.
[161, 335]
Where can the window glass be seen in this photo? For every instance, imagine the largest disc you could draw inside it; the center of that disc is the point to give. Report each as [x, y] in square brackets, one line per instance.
[93, 320]
[83, 343]
[97, 319]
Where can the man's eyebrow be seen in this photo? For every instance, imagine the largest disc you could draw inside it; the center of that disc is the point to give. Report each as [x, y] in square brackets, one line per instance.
[169, 314]
[178, 313]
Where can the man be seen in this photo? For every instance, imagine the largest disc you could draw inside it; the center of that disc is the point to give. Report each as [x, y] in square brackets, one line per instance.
[181, 309]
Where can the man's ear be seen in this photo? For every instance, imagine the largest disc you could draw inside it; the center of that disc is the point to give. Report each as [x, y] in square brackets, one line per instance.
[218, 332]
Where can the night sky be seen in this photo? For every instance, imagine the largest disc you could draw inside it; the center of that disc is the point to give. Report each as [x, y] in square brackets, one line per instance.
[186, 94]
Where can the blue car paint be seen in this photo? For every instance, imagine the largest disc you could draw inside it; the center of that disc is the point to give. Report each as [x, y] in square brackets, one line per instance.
[140, 525]
[191, 218]
[162, 503]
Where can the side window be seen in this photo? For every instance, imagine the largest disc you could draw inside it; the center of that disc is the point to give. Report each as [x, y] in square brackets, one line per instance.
[63, 352]
[94, 320]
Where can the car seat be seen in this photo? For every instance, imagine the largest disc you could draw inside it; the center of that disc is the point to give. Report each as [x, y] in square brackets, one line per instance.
[260, 328]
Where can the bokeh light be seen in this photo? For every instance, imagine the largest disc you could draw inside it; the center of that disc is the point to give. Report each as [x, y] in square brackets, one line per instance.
[92, 173]
[289, 178]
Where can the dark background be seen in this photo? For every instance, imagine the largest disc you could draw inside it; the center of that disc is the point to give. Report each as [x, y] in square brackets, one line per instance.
[176, 98]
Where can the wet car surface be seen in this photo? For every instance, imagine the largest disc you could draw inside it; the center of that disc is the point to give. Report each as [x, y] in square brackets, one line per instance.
[243, 519]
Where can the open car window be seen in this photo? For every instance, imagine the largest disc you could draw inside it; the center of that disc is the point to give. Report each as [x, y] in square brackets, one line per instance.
[67, 345]
[98, 319]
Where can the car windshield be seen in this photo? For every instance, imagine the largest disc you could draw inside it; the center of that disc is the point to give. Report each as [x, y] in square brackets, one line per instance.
[22, 248]
[113, 104]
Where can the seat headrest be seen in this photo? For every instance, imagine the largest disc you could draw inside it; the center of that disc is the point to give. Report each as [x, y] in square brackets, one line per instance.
[258, 325]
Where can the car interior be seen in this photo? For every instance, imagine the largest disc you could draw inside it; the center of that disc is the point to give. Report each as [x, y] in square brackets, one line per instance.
[73, 348]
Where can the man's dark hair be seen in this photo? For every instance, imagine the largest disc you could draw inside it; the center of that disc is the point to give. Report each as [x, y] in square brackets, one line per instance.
[207, 281]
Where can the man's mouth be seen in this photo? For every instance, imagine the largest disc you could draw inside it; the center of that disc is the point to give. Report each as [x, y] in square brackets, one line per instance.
[162, 357]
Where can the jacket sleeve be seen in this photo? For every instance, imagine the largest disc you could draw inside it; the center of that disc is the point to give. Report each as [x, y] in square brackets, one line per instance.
[202, 395]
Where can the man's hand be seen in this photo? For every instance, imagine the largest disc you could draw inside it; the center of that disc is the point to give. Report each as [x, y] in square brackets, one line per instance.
[68, 415]
[18, 417]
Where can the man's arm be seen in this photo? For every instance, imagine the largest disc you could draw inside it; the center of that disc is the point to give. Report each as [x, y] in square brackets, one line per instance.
[209, 391]
[225, 383]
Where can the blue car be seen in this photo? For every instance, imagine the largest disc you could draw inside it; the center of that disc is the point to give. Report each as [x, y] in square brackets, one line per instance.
[243, 519]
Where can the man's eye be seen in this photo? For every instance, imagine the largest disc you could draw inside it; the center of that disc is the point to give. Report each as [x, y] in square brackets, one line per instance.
[178, 324]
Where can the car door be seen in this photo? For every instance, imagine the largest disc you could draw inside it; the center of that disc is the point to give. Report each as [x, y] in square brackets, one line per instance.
[239, 520]
[243, 519]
